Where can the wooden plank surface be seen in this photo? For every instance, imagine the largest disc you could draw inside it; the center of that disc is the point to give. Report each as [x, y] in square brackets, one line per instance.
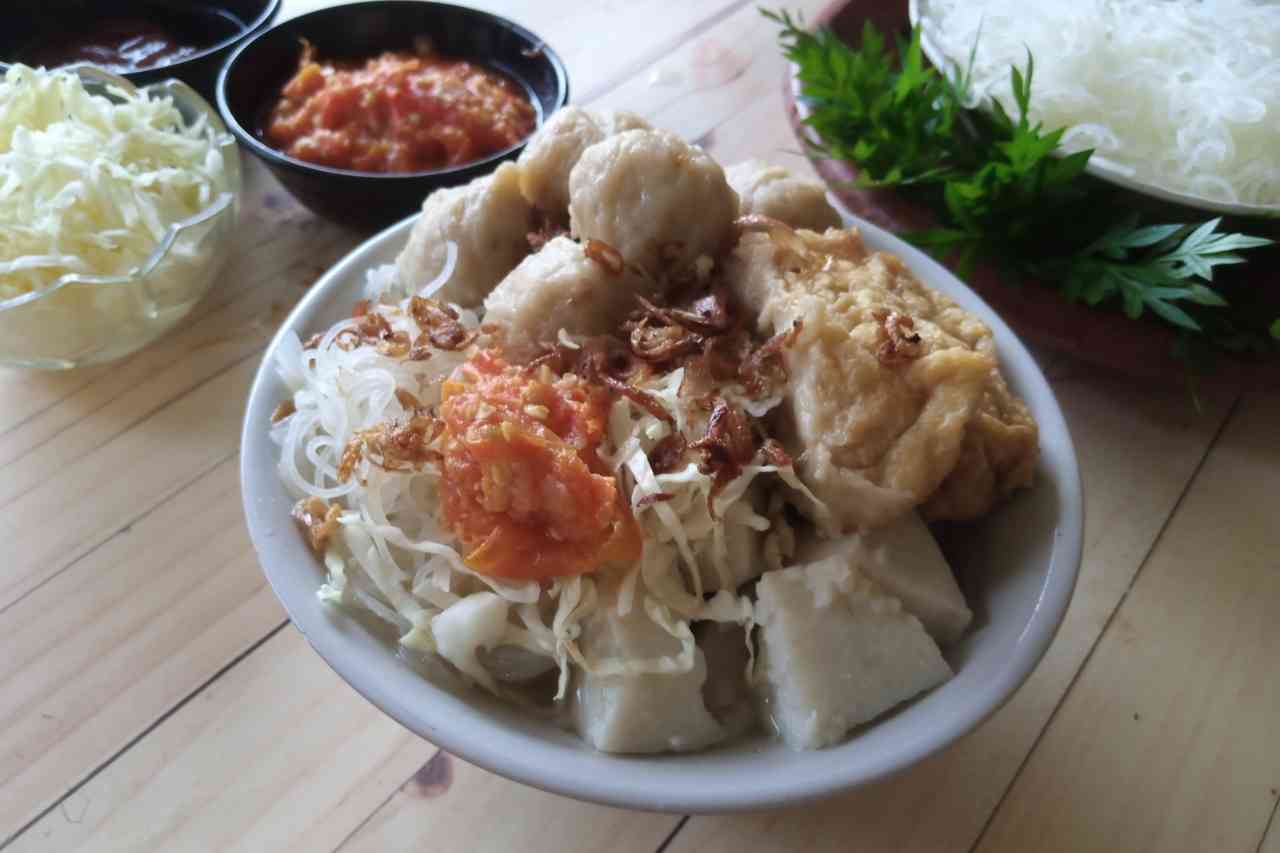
[149, 699]
[1271, 843]
[1168, 741]
[118, 639]
[280, 754]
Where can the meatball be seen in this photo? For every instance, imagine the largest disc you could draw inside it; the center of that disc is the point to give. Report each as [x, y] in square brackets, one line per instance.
[559, 287]
[488, 220]
[553, 151]
[658, 200]
[774, 192]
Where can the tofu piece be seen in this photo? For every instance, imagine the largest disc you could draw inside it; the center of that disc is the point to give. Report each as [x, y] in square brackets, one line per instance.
[641, 713]
[905, 560]
[836, 651]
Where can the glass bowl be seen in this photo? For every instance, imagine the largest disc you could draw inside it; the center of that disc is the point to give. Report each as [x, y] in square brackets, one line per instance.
[86, 319]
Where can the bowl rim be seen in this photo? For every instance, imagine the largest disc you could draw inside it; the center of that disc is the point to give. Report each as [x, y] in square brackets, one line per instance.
[1098, 166]
[278, 158]
[183, 97]
[490, 741]
[269, 11]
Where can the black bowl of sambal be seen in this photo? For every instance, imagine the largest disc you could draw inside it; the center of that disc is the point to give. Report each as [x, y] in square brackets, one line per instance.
[361, 110]
[145, 41]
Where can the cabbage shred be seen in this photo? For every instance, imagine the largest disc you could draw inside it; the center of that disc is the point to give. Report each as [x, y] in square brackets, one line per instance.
[395, 559]
[90, 184]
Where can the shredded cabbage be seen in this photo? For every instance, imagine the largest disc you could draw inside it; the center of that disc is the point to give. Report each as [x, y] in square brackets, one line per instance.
[396, 559]
[89, 184]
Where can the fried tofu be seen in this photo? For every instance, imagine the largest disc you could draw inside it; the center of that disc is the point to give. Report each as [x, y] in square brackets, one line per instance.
[887, 375]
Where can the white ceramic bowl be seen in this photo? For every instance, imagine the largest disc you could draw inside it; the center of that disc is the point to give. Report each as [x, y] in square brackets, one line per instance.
[1018, 568]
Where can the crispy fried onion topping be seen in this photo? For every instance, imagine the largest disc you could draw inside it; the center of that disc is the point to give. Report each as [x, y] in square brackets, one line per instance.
[283, 411]
[897, 342]
[784, 238]
[706, 336]
[604, 255]
[319, 520]
[395, 446]
[660, 334]
[727, 446]
[667, 453]
[766, 366]
[440, 325]
[604, 361]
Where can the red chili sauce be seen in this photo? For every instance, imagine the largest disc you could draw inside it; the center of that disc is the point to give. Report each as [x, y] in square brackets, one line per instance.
[397, 112]
[118, 46]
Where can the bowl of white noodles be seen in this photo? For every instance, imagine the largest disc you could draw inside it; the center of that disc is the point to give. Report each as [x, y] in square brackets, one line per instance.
[1179, 101]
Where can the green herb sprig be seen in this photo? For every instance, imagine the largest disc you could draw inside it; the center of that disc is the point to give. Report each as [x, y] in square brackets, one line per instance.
[1002, 194]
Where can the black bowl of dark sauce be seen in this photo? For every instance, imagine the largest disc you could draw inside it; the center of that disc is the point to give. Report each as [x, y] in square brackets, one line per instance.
[143, 40]
[253, 77]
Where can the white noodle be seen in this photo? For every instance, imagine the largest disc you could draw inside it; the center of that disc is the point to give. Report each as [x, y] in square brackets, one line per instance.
[1182, 94]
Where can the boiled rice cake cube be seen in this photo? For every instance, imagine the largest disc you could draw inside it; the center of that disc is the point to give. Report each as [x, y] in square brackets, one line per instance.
[905, 560]
[662, 712]
[836, 652]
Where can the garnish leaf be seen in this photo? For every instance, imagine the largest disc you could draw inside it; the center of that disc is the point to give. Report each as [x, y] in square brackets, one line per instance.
[1002, 192]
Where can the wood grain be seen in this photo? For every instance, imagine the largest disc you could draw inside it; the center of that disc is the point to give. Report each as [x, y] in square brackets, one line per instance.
[1168, 741]
[280, 754]
[1271, 843]
[114, 642]
[425, 814]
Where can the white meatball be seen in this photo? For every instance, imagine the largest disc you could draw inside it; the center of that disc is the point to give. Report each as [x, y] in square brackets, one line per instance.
[488, 220]
[559, 287]
[773, 191]
[655, 198]
[556, 147]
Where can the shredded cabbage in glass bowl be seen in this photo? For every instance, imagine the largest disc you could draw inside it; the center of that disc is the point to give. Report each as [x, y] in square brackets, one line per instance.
[117, 207]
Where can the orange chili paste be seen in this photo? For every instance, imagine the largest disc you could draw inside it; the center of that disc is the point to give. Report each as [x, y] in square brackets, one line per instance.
[522, 486]
[397, 112]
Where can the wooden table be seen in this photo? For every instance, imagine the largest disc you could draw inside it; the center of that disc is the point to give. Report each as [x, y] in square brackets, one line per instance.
[153, 695]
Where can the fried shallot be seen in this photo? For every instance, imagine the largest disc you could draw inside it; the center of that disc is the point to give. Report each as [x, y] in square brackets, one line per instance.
[319, 520]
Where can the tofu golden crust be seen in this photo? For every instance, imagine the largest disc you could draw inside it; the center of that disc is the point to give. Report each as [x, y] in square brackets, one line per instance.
[1001, 446]
[887, 376]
